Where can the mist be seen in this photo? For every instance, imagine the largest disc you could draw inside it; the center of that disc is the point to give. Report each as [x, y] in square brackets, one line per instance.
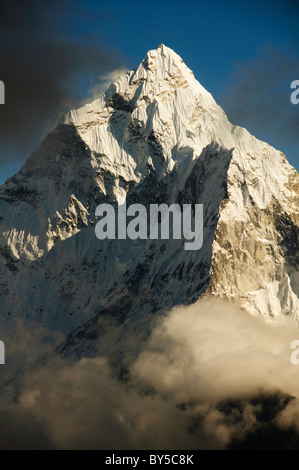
[258, 96]
[43, 66]
[209, 377]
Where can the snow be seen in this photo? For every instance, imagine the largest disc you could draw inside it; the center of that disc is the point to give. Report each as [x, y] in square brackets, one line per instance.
[156, 132]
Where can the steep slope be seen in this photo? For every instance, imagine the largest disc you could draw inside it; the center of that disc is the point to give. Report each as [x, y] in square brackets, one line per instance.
[155, 136]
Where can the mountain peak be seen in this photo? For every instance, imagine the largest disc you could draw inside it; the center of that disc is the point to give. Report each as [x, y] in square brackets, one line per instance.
[162, 79]
[156, 135]
[164, 61]
[165, 52]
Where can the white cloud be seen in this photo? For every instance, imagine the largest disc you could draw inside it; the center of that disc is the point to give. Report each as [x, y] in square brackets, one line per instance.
[199, 381]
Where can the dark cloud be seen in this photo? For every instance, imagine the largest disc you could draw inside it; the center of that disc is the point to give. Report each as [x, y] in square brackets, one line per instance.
[258, 96]
[209, 377]
[43, 55]
[21, 429]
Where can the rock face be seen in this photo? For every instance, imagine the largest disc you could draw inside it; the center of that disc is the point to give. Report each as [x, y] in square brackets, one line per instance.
[155, 136]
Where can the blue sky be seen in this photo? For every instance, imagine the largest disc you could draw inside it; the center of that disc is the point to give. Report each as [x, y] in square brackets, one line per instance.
[246, 54]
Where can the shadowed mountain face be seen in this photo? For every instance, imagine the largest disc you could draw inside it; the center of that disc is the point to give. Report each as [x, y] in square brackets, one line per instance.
[77, 275]
[155, 136]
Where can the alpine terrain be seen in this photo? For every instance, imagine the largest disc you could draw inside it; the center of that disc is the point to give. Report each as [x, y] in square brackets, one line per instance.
[155, 136]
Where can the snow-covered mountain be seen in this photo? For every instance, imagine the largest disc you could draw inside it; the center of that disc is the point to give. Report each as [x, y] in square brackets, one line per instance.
[155, 136]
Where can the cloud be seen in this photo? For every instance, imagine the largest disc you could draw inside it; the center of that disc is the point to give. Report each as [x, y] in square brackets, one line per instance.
[84, 407]
[258, 96]
[42, 63]
[21, 429]
[214, 343]
[209, 377]
[104, 81]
